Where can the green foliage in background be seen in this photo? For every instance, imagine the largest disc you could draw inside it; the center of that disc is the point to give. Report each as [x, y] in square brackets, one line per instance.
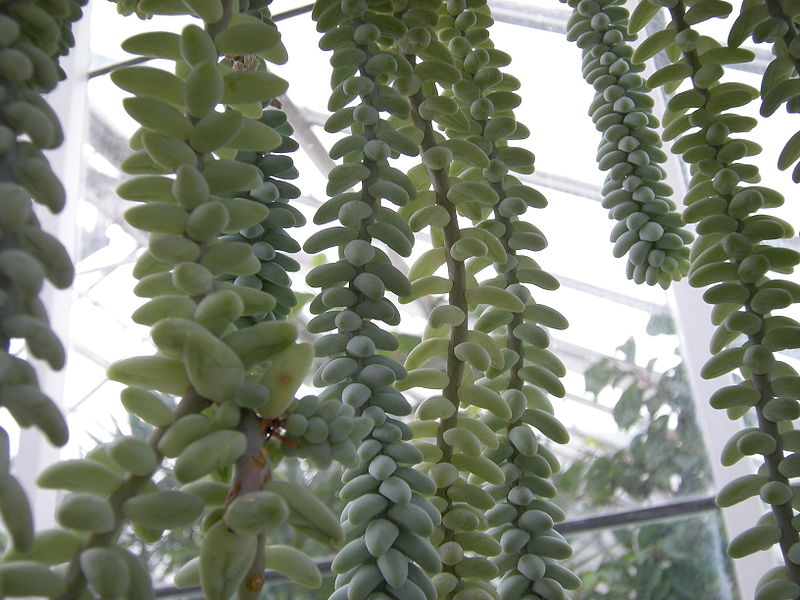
[664, 459]
[680, 559]
[665, 454]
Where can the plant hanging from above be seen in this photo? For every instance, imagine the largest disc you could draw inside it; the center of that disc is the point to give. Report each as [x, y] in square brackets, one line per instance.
[375, 46]
[648, 229]
[202, 173]
[454, 503]
[730, 252]
[773, 22]
[32, 35]
[389, 520]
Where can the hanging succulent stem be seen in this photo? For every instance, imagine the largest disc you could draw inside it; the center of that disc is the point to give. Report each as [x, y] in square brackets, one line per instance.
[251, 472]
[778, 11]
[253, 582]
[778, 482]
[388, 519]
[450, 418]
[755, 356]
[437, 161]
[731, 253]
[456, 272]
[772, 21]
[75, 579]
[271, 242]
[239, 372]
[648, 230]
[523, 519]
[32, 36]
[468, 170]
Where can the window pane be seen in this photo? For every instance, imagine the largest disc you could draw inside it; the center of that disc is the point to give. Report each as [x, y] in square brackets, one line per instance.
[669, 560]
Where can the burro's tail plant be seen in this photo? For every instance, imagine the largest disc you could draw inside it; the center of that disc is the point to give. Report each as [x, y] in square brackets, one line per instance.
[507, 371]
[496, 372]
[392, 60]
[388, 519]
[211, 191]
[732, 252]
[32, 37]
[773, 22]
[648, 229]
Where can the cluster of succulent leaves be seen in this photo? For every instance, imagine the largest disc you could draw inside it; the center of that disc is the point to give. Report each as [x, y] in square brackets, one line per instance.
[209, 166]
[432, 69]
[497, 371]
[774, 23]
[733, 252]
[269, 240]
[440, 504]
[32, 37]
[648, 229]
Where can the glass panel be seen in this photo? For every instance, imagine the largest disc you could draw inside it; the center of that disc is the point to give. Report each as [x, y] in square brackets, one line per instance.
[309, 85]
[518, 10]
[635, 441]
[578, 230]
[287, 5]
[669, 560]
[554, 107]
[628, 405]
